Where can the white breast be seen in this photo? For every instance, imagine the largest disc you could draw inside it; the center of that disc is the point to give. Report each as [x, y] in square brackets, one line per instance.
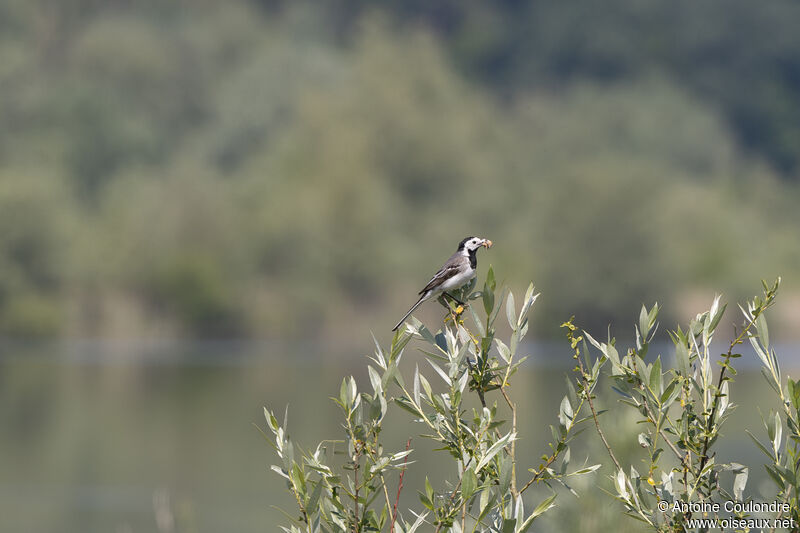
[458, 280]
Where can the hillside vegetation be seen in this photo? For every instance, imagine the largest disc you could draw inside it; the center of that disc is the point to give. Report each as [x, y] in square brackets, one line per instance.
[249, 168]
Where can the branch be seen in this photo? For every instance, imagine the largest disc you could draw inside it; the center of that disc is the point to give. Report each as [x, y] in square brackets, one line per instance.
[717, 395]
[597, 423]
[399, 489]
[513, 442]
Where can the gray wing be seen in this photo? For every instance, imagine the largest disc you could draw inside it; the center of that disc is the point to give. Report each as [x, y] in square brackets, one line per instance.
[452, 267]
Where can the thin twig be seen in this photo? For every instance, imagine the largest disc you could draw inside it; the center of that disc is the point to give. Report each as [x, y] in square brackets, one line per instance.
[461, 477]
[780, 515]
[399, 488]
[587, 391]
[513, 442]
[599, 430]
[452, 497]
[661, 432]
[385, 493]
[355, 497]
[541, 471]
[718, 394]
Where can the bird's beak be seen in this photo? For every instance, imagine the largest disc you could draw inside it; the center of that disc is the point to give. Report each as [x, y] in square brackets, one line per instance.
[487, 243]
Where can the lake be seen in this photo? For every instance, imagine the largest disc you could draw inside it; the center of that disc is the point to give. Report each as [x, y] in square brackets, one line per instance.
[132, 437]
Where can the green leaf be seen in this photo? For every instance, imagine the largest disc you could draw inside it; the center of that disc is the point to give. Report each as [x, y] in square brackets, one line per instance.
[418, 522]
[505, 474]
[469, 484]
[343, 393]
[493, 449]
[758, 443]
[542, 508]
[313, 500]
[682, 357]
[426, 501]
[503, 350]
[352, 392]
[775, 477]
[298, 479]
[670, 393]
[441, 373]
[586, 470]
[426, 386]
[374, 379]
[486, 503]
[776, 440]
[786, 474]
[488, 302]
[406, 405]
[656, 384]
[511, 311]
[565, 413]
[490, 282]
[416, 384]
[644, 324]
[530, 298]
[740, 481]
[718, 315]
[763, 331]
[706, 469]
[622, 486]
[271, 420]
[281, 472]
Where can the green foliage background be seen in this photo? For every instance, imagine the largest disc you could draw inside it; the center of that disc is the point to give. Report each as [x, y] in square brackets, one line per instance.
[243, 168]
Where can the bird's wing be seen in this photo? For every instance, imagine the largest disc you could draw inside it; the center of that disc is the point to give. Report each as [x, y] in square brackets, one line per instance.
[452, 267]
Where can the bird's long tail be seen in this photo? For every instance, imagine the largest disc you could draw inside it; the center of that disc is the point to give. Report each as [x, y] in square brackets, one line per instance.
[413, 307]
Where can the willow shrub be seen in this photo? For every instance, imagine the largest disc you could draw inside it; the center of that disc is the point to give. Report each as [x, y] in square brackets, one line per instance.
[361, 491]
[682, 411]
[354, 485]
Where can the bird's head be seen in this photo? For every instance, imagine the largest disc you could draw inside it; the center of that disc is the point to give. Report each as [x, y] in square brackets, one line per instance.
[470, 244]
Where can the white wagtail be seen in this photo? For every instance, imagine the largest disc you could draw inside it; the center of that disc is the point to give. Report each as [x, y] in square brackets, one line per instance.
[456, 272]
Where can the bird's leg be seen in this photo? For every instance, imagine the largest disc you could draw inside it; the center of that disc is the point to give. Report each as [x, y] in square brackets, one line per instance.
[441, 299]
[459, 302]
[460, 305]
[454, 313]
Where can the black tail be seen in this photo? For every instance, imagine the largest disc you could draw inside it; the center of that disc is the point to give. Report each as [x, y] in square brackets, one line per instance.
[421, 299]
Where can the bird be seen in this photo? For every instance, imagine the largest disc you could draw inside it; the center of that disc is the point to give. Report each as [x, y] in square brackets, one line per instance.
[455, 273]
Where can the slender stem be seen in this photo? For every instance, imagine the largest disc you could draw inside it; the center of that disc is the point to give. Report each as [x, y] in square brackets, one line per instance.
[597, 426]
[660, 430]
[452, 496]
[718, 394]
[588, 392]
[355, 496]
[780, 515]
[302, 507]
[513, 408]
[551, 459]
[539, 473]
[386, 496]
[399, 488]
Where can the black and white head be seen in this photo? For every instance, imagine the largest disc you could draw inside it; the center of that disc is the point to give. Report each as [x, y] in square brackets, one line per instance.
[471, 244]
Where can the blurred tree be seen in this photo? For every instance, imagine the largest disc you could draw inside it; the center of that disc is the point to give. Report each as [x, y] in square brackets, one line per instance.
[33, 248]
[241, 169]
